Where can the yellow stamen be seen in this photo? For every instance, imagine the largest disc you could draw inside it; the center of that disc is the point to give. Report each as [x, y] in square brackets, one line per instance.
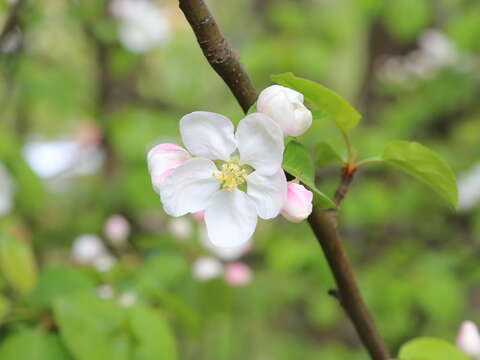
[230, 176]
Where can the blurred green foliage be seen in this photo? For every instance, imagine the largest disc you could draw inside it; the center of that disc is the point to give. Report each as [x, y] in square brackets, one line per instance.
[416, 260]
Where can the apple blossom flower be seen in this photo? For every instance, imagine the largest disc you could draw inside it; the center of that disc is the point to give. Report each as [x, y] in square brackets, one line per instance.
[116, 230]
[285, 106]
[162, 160]
[469, 189]
[180, 228]
[468, 339]
[198, 184]
[299, 203]
[127, 299]
[88, 249]
[142, 25]
[237, 274]
[206, 268]
[105, 291]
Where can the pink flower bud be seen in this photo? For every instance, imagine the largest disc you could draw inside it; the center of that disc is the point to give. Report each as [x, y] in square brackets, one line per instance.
[116, 230]
[285, 107]
[162, 160]
[237, 274]
[298, 205]
[468, 339]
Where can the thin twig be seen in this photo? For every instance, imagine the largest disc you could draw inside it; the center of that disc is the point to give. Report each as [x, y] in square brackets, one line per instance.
[219, 55]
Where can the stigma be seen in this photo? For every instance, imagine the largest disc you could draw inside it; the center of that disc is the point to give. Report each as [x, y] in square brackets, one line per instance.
[231, 175]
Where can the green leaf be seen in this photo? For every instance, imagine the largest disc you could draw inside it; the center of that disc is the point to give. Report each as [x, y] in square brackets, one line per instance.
[297, 162]
[325, 154]
[58, 281]
[32, 345]
[338, 109]
[91, 328]
[17, 263]
[96, 329]
[252, 109]
[424, 164]
[152, 335]
[426, 348]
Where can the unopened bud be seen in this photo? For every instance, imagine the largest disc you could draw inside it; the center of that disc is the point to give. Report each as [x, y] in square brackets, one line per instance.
[285, 106]
[298, 205]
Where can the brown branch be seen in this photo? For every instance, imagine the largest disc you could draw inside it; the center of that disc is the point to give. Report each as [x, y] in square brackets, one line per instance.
[219, 55]
[345, 181]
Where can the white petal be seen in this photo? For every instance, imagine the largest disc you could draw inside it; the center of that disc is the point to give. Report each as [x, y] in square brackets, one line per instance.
[260, 143]
[231, 218]
[189, 187]
[208, 135]
[268, 192]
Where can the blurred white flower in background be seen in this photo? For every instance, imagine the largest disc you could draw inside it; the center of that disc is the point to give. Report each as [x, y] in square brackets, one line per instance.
[117, 230]
[206, 268]
[435, 52]
[142, 25]
[7, 189]
[237, 274]
[49, 159]
[88, 249]
[105, 291]
[180, 228]
[127, 299]
[224, 253]
[468, 339]
[469, 189]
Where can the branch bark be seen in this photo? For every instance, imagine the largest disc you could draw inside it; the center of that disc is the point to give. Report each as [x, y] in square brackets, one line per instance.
[218, 52]
[219, 55]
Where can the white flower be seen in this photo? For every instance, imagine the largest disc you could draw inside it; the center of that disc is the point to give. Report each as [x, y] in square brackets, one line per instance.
[230, 213]
[162, 160]
[88, 249]
[469, 189]
[127, 299]
[142, 24]
[116, 230]
[105, 291]
[468, 339]
[7, 187]
[206, 268]
[224, 253]
[285, 107]
[299, 203]
[180, 228]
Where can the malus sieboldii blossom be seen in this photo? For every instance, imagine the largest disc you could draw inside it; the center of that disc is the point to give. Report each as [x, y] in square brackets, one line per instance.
[298, 205]
[162, 160]
[285, 106]
[223, 163]
[237, 274]
[116, 230]
[468, 339]
[206, 268]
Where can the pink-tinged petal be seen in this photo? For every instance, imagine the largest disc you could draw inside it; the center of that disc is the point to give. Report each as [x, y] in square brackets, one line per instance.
[237, 274]
[189, 187]
[268, 192]
[162, 160]
[208, 135]
[230, 218]
[468, 339]
[299, 203]
[260, 143]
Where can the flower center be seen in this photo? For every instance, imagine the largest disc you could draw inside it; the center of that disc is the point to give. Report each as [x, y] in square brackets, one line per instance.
[231, 175]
